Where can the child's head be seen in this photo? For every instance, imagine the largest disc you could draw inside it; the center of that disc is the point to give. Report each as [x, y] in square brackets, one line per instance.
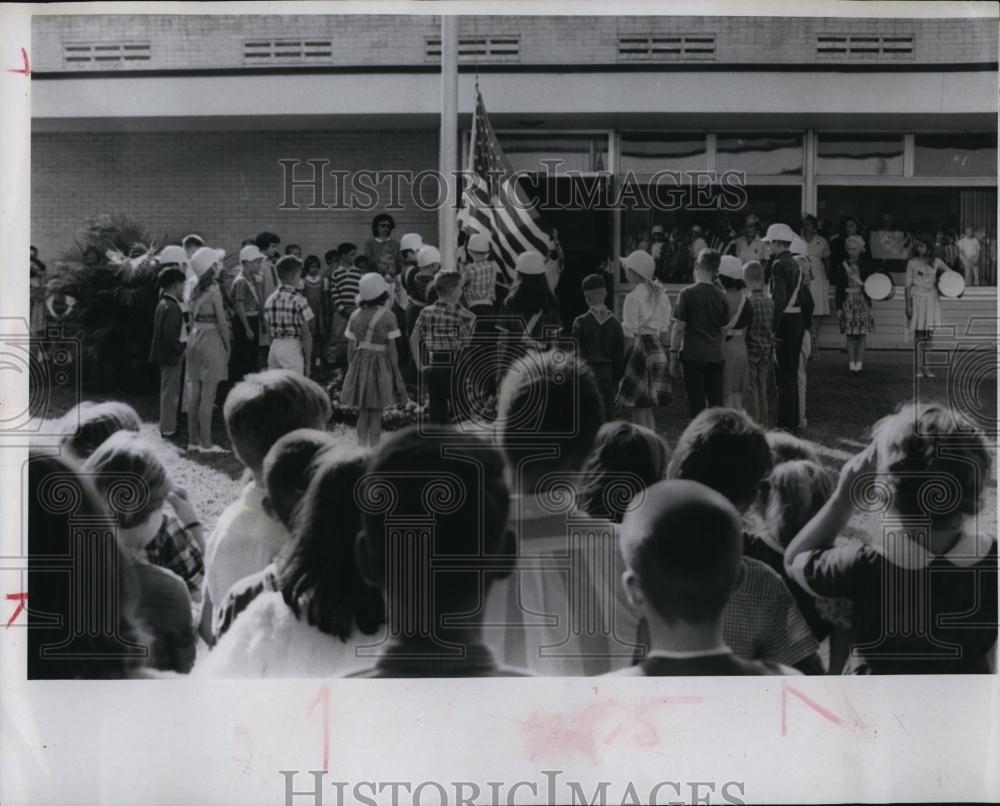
[428, 259]
[321, 577]
[347, 252]
[626, 459]
[725, 450]
[293, 249]
[287, 469]
[730, 273]
[192, 243]
[387, 265]
[312, 265]
[373, 291]
[795, 492]
[289, 269]
[171, 281]
[708, 262]
[361, 262]
[448, 285]
[479, 246]
[969, 231]
[87, 425]
[855, 246]
[134, 484]
[682, 548]
[935, 463]
[594, 290]
[409, 245]
[266, 242]
[265, 406]
[753, 275]
[923, 243]
[459, 480]
[787, 447]
[547, 400]
[331, 257]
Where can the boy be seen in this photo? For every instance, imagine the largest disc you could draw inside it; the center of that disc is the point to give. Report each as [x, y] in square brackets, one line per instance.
[419, 282]
[601, 341]
[480, 277]
[727, 452]
[682, 550]
[696, 338]
[246, 305]
[409, 245]
[294, 249]
[167, 349]
[760, 340]
[432, 631]
[267, 283]
[260, 410]
[344, 291]
[438, 336]
[564, 611]
[288, 316]
[192, 243]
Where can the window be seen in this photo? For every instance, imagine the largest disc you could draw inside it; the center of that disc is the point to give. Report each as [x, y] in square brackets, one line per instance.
[476, 48]
[649, 153]
[846, 155]
[106, 52]
[584, 153]
[283, 50]
[677, 46]
[955, 155]
[865, 46]
[759, 154]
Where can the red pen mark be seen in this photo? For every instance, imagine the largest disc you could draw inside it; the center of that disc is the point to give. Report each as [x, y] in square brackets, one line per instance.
[20, 598]
[824, 712]
[21, 71]
[323, 697]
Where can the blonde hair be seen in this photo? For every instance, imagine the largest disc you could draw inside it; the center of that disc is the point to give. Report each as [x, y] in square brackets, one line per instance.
[798, 490]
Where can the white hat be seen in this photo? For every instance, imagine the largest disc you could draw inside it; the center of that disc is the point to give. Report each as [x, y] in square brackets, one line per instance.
[657, 228]
[250, 252]
[411, 241]
[428, 255]
[797, 246]
[779, 232]
[479, 243]
[641, 263]
[731, 267]
[194, 236]
[530, 263]
[204, 259]
[172, 254]
[371, 286]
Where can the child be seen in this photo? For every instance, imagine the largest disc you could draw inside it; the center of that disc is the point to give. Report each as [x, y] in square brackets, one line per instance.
[315, 289]
[736, 370]
[924, 592]
[398, 303]
[601, 341]
[923, 305]
[480, 277]
[373, 380]
[439, 334]
[409, 245]
[969, 251]
[787, 447]
[246, 305]
[288, 316]
[259, 410]
[434, 619]
[167, 348]
[808, 351]
[760, 341]
[267, 283]
[854, 309]
[726, 451]
[696, 337]
[126, 461]
[545, 618]
[344, 292]
[419, 283]
[207, 350]
[381, 242]
[294, 250]
[681, 547]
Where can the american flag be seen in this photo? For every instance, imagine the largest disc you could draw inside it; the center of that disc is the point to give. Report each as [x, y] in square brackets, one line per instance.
[493, 203]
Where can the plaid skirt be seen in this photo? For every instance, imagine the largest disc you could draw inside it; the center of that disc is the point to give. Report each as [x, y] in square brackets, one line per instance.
[856, 316]
[647, 374]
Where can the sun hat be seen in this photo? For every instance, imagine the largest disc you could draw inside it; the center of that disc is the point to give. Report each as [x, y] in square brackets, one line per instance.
[411, 241]
[479, 243]
[593, 282]
[797, 246]
[731, 267]
[530, 263]
[641, 263]
[172, 254]
[204, 259]
[779, 232]
[194, 236]
[250, 252]
[371, 286]
[428, 255]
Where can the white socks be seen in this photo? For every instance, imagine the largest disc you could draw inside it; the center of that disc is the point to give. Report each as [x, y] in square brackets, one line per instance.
[854, 366]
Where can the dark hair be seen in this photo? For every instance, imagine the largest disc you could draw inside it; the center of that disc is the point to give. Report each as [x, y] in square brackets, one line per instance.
[730, 284]
[245, 242]
[531, 294]
[321, 578]
[796, 491]
[927, 240]
[264, 240]
[446, 281]
[684, 544]
[709, 259]
[330, 255]
[192, 239]
[548, 399]
[379, 219]
[88, 424]
[309, 261]
[377, 302]
[290, 247]
[809, 218]
[168, 277]
[58, 496]
[361, 262]
[288, 467]
[725, 450]
[130, 477]
[265, 406]
[625, 460]
[842, 228]
[346, 248]
[288, 267]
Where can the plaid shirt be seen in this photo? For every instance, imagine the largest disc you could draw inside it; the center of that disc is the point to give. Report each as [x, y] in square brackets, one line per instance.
[481, 280]
[441, 327]
[175, 549]
[760, 338]
[243, 292]
[286, 313]
[344, 288]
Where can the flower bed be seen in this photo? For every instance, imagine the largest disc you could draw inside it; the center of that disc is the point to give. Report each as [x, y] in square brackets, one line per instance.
[393, 417]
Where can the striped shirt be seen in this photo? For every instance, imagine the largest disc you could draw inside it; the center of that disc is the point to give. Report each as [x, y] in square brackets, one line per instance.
[345, 288]
[481, 280]
[442, 327]
[286, 312]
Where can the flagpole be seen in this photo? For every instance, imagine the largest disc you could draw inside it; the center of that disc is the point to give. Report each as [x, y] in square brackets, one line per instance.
[448, 153]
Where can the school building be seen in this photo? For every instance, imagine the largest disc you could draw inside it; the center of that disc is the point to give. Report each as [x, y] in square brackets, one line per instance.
[199, 123]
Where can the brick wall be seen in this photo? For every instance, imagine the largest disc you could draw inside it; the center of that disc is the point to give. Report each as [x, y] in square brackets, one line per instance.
[361, 40]
[226, 186]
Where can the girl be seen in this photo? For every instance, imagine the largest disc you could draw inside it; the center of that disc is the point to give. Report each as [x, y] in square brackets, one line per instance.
[854, 309]
[625, 460]
[646, 321]
[818, 252]
[208, 348]
[381, 243]
[736, 372]
[923, 306]
[316, 290]
[373, 380]
[923, 590]
[849, 226]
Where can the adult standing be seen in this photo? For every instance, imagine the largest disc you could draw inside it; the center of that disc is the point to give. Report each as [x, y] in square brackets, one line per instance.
[748, 246]
[818, 253]
[382, 242]
[793, 308]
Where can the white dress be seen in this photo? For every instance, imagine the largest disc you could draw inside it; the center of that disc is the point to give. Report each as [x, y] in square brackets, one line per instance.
[817, 249]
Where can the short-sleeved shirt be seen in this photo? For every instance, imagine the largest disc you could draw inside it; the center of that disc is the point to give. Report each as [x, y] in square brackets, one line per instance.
[441, 327]
[914, 612]
[646, 311]
[749, 250]
[481, 281]
[704, 311]
[760, 337]
[243, 293]
[287, 313]
[176, 549]
[345, 288]
[386, 327]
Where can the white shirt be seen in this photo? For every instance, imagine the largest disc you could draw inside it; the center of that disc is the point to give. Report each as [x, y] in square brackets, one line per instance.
[646, 314]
